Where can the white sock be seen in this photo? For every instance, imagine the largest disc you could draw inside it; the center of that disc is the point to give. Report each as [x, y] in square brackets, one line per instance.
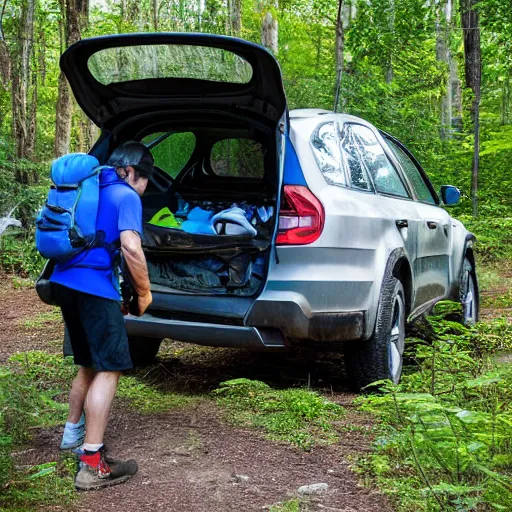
[90, 447]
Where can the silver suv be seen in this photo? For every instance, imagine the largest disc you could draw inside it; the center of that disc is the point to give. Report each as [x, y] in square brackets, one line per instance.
[268, 229]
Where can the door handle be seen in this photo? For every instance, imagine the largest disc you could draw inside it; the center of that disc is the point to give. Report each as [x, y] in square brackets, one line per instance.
[431, 224]
[402, 223]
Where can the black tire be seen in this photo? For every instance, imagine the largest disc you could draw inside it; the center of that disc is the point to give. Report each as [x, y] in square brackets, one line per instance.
[143, 351]
[381, 356]
[469, 297]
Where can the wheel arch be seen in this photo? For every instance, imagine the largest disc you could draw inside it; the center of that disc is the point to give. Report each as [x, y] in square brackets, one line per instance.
[402, 271]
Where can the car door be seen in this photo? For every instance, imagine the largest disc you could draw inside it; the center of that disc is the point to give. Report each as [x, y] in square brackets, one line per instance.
[432, 265]
[394, 201]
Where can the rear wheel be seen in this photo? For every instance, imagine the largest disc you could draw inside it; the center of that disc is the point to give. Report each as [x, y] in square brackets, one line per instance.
[380, 357]
[469, 294]
[143, 350]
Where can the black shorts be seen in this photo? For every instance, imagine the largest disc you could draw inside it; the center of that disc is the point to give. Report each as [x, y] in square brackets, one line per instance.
[96, 330]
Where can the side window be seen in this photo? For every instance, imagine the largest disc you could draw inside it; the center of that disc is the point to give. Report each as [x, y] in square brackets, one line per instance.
[327, 153]
[352, 156]
[240, 158]
[173, 151]
[418, 183]
[385, 177]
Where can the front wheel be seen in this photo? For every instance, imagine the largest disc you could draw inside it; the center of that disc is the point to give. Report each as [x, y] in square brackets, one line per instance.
[380, 357]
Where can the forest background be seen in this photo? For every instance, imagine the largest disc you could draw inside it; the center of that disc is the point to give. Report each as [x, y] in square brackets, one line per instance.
[434, 73]
[403, 65]
[431, 73]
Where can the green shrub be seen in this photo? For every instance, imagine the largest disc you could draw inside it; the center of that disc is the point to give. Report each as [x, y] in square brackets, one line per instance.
[297, 416]
[445, 441]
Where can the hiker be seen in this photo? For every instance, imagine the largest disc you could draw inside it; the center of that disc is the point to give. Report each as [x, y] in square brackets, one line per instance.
[87, 291]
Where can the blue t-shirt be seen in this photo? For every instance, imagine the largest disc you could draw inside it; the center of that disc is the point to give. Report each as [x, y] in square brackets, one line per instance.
[120, 209]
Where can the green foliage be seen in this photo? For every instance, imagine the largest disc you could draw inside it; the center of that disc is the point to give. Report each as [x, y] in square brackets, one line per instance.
[22, 406]
[445, 439]
[294, 505]
[297, 416]
[148, 398]
[46, 319]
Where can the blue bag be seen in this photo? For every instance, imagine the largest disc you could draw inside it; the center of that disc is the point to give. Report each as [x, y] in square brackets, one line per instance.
[66, 225]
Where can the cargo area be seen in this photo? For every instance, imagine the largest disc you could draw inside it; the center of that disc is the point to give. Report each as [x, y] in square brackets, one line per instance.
[210, 210]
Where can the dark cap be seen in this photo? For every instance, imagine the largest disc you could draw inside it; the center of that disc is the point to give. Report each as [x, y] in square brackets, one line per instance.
[135, 154]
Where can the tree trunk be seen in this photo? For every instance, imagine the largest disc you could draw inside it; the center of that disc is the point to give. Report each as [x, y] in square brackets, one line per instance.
[340, 43]
[155, 15]
[389, 57]
[32, 122]
[5, 57]
[269, 30]
[473, 74]
[236, 16]
[72, 17]
[21, 77]
[443, 54]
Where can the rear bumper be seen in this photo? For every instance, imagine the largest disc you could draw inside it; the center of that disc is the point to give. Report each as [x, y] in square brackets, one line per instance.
[298, 323]
[202, 333]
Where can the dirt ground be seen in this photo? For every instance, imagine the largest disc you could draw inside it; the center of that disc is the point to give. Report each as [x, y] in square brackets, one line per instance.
[189, 460]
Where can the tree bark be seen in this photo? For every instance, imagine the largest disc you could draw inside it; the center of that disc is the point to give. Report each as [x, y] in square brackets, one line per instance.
[340, 44]
[32, 119]
[21, 77]
[473, 75]
[443, 54]
[155, 15]
[389, 56]
[269, 30]
[72, 16]
[236, 16]
[5, 57]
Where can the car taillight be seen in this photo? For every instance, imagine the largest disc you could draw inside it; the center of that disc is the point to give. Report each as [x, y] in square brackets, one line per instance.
[301, 218]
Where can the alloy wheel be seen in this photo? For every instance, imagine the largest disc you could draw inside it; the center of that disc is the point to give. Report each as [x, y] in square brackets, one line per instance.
[397, 339]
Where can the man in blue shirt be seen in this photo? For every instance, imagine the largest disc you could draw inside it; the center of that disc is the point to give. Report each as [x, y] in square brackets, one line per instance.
[87, 291]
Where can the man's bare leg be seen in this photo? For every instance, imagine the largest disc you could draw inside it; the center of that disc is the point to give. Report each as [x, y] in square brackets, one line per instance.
[79, 389]
[98, 404]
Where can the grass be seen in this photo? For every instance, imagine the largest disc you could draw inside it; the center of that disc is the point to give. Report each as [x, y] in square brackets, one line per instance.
[24, 407]
[293, 505]
[44, 319]
[54, 373]
[296, 416]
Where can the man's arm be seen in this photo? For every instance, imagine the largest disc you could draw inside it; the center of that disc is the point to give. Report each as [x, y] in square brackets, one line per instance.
[131, 247]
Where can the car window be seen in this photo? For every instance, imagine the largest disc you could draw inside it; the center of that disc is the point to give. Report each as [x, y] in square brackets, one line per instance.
[351, 152]
[171, 151]
[385, 177]
[241, 158]
[155, 61]
[327, 153]
[417, 182]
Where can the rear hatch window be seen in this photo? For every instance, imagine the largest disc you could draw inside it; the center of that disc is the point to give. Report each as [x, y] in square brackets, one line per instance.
[129, 63]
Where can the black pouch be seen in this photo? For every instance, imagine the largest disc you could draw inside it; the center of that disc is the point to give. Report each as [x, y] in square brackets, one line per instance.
[44, 286]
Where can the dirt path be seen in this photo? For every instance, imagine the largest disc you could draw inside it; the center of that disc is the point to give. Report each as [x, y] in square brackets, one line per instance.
[188, 458]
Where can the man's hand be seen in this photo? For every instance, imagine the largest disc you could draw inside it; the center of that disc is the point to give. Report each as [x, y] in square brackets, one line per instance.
[131, 248]
[143, 302]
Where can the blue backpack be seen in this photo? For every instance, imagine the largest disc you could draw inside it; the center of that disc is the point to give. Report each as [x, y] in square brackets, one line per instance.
[66, 225]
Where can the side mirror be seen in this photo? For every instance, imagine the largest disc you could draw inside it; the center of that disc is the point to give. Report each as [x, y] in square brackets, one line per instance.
[450, 195]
